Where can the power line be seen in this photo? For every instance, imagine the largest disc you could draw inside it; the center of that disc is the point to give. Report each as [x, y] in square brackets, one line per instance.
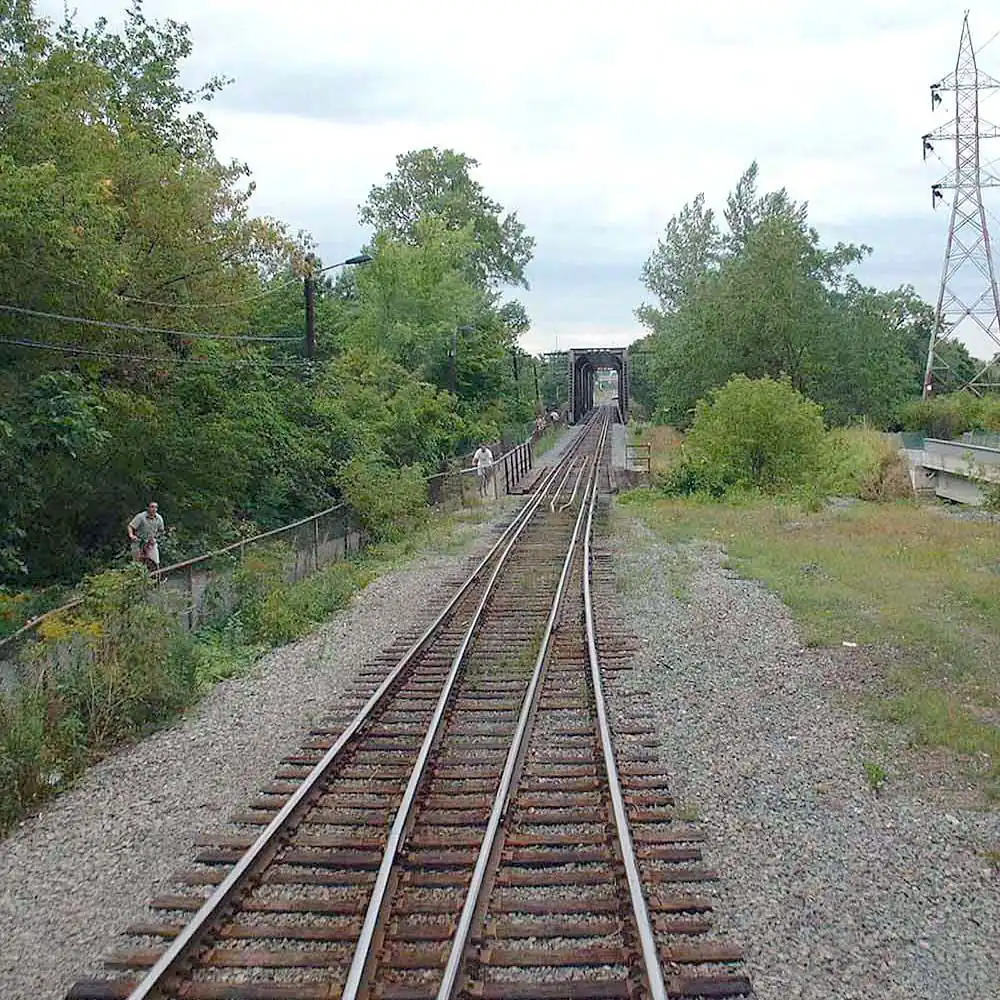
[154, 302]
[20, 310]
[210, 305]
[84, 351]
[988, 40]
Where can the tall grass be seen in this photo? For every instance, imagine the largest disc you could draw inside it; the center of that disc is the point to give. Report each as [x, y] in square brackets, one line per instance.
[103, 673]
[120, 665]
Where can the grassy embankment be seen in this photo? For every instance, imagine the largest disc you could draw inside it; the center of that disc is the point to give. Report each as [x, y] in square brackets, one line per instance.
[918, 588]
[127, 667]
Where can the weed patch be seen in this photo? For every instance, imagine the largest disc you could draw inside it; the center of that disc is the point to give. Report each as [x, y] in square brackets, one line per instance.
[105, 672]
[119, 665]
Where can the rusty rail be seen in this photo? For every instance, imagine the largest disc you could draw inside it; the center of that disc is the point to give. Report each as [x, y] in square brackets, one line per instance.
[501, 802]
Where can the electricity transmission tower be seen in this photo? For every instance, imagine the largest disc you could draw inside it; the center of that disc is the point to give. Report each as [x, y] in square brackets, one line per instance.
[968, 290]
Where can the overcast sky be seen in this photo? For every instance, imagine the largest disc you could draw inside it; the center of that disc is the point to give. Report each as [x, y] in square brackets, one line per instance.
[595, 122]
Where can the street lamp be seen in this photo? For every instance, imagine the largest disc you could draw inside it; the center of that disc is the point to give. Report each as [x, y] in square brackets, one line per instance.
[310, 293]
[362, 258]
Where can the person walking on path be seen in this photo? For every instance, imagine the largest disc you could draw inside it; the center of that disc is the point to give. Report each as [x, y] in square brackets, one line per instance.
[144, 530]
[483, 460]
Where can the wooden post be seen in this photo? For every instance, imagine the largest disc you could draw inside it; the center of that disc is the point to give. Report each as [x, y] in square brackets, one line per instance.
[310, 293]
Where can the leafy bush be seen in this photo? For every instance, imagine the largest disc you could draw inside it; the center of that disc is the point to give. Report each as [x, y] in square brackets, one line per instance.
[387, 500]
[119, 664]
[273, 610]
[861, 462]
[103, 672]
[759, 434]
[948, 417]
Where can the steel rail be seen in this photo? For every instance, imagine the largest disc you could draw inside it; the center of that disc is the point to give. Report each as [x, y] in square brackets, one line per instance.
[380, 891]
[576, 486]
[650, 956]
[555, 496]
[501, 802]
[170, 961]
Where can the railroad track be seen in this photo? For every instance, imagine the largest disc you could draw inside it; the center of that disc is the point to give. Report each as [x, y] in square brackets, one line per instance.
[469, 827]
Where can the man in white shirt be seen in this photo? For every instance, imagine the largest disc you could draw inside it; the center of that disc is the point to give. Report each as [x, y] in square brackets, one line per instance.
[143, 531]
[483, 461]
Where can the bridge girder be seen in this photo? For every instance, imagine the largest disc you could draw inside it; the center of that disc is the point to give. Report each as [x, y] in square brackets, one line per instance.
[584, 363]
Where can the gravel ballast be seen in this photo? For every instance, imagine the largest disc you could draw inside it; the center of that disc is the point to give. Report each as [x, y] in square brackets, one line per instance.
[835, 893]
[75, 875]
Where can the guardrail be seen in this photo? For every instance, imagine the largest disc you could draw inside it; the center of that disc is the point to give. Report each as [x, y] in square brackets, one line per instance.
[462, 484]
[954, 470]
[638, 457]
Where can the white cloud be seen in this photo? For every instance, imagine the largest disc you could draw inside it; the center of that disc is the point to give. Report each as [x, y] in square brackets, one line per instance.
[594, 122]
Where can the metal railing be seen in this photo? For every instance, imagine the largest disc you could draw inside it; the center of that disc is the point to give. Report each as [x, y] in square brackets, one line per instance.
[460, 486]
[202, 587]
[638, 457]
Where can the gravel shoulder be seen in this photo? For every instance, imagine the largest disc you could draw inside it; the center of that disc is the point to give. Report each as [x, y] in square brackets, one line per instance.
[72, 877]
[834, 893]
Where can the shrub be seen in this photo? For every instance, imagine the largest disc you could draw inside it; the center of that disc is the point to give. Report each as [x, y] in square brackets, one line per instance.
[858, 461]
[759, 434]
[388, 500]
[273, 610]
[948, 417]
[102, 673]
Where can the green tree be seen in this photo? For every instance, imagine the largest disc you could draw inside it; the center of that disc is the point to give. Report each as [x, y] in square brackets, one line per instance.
[436, 182]
[760, 433]
[746, 210]
[690, 248]
[771, 300]
[115, 209]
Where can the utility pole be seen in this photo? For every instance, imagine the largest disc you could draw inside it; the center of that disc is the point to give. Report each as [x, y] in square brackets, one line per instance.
[453, 356]
[968, 289]
[310, 293]
[453, 363]
[534, 368]
[517, 374]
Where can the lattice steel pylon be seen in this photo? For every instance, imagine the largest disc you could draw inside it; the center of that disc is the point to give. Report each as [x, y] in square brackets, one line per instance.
[968, 291]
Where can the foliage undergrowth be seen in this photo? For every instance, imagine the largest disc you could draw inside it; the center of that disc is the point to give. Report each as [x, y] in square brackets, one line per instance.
[389, 501]
[949, 416]
[920, 590]
[120, 665]
[103, 673]
[20, 606]
[762, 437]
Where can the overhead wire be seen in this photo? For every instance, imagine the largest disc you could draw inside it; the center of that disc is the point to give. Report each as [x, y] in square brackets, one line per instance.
[156, 302]
[136, 328]
[114, 355]
[992, 37]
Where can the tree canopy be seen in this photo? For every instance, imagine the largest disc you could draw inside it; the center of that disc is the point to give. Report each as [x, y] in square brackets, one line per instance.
[152, 326]
[759, 295]
[436, 182]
